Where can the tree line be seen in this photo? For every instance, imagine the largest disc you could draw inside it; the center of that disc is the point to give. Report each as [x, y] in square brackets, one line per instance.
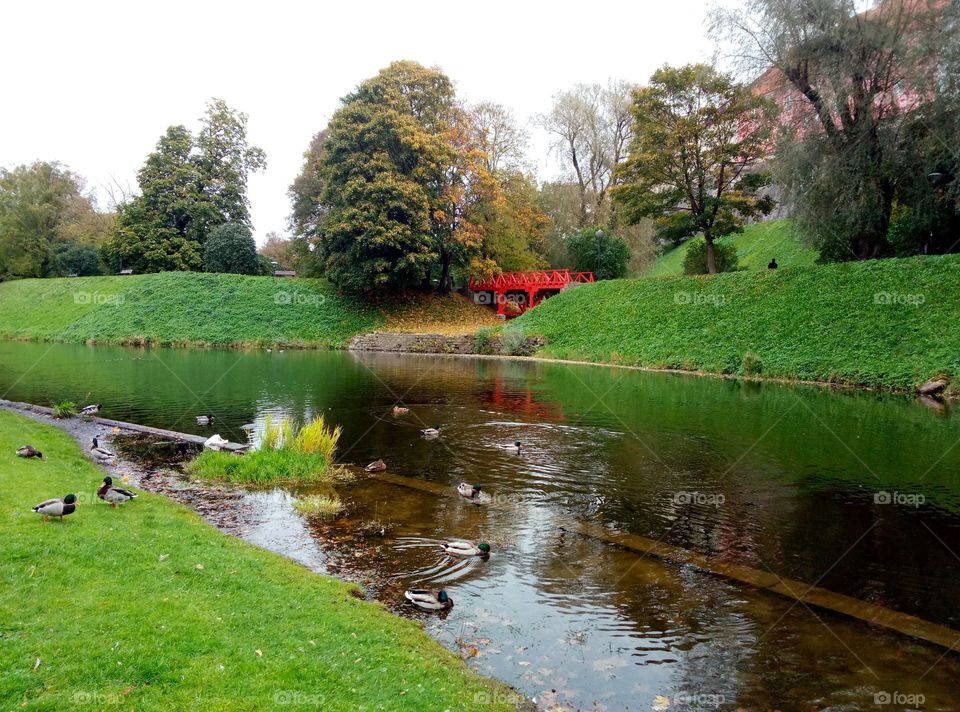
[846, 119]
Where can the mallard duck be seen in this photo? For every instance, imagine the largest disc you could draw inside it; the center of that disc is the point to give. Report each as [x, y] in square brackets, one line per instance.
[429, 600]
[469, 491]
[101, 453]
[376, 466]
[400, 410]
[433, 432]
[91, 409]
[516, 446]
[56, 507]
[114, 495]
[29, 451]
[204, 420]
[465, 548]
[215, 442]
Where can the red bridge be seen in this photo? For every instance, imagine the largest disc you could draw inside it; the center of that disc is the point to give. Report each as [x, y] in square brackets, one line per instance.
[523, 290]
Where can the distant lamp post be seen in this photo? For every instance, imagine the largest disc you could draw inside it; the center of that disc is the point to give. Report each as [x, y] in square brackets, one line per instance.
[599, 235]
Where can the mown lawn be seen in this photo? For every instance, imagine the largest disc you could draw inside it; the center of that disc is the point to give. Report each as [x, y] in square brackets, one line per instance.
[883, 323]
[146, 607]
[183, 308]
[756, 246]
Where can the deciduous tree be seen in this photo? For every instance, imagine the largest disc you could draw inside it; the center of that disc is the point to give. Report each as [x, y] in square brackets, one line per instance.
[698, 137]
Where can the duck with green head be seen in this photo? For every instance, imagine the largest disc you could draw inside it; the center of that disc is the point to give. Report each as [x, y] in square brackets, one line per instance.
[431, 433]
[56, 507]
[471, 492]
[429, 600]
[114, 495]
[466, 548]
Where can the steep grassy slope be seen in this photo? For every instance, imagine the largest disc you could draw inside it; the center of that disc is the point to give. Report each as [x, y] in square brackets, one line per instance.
[891, 323]
[182, 308]
[755, 247]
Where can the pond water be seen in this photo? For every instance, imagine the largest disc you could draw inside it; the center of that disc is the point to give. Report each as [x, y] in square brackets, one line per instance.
[855, 492]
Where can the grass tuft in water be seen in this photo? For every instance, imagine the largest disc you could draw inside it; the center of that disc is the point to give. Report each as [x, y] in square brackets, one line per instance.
[320, 506]
[282, 457]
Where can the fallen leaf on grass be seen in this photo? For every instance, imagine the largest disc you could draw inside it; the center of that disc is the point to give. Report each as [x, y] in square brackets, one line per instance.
[199, 567]
[164, 557]
[259, 653]
[36, 664]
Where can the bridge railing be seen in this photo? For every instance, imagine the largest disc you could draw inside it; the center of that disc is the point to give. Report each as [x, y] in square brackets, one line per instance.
[533, 279]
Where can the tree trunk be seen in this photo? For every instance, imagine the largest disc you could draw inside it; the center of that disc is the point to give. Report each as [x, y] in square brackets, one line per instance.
[711, 254]
[446, 276]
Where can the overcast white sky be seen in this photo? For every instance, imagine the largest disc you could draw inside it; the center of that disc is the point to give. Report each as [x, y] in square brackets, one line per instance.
[94, 84]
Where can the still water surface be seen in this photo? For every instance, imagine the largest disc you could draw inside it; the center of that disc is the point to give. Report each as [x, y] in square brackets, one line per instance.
[779, 478]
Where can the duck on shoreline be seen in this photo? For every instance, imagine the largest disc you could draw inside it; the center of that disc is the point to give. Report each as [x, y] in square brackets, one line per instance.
[114, 495]
[56, 507]
[91, 409]
[215, 442]
[101, 453]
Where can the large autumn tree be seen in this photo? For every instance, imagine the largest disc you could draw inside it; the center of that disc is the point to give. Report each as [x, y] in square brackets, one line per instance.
[402, 189]
[188, 186]
[698, 139]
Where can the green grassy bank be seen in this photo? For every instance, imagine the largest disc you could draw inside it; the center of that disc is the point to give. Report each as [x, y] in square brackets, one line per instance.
[146, 607]
[182, 308]
[883, 323]
[756, 246]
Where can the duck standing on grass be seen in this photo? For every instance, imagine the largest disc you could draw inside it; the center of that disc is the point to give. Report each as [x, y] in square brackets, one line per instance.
[56, 507]
[429, 600]
[431, 433]
[114, 495]
[29, 451]
[466, 548]
[91, 409]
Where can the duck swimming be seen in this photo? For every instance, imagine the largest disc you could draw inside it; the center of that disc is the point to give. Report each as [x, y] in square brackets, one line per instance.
[114, 495]
[56, 507]
[465, 548]
[429, 600]
[469, 491]
[29, 451]
[430, 433]
[204, 420]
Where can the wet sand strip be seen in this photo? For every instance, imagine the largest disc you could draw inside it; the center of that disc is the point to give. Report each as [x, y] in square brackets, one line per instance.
[134, 427]
[798, 591]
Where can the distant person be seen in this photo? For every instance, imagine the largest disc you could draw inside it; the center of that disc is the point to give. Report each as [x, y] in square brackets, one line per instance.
[773, 264]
